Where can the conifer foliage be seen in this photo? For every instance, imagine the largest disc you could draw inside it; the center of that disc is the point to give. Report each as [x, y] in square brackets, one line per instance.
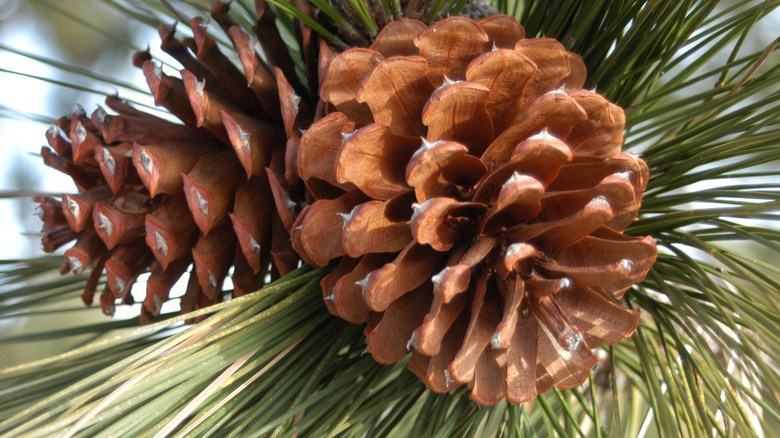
[516, 193]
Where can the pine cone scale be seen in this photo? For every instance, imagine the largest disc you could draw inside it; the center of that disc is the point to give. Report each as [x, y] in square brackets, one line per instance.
[257, 76]
[370, 227]
[396, 90]
[318, 150]
[341, 90]
[317, 234]
[428, 337]
[485, 316]
[348, 289]
[449, 46]
[373, 159]
[413, 267]
[397, 38]
[442, 167]
[388, 342]
[505, 73]
[522, 359]
[502, 30]
[457, 111]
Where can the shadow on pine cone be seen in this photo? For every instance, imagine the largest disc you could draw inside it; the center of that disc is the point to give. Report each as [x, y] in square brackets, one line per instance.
[472, 192]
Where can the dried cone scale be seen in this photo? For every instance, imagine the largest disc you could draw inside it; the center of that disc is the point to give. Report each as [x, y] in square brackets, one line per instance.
[480, 195]
[472, 194]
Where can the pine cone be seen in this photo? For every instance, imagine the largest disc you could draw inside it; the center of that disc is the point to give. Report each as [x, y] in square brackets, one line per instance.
[155, 196]
[491, 247]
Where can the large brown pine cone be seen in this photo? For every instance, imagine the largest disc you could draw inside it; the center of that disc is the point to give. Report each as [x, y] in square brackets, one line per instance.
[476, 197]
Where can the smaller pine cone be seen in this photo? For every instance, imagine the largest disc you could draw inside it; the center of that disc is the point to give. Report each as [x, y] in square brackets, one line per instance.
[476, 197]
[156, 196]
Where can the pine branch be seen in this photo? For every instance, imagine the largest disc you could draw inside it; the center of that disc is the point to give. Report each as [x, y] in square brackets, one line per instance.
[703, 362]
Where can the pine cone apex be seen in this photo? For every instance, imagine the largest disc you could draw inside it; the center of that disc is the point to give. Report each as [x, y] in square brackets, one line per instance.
[479, 195]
